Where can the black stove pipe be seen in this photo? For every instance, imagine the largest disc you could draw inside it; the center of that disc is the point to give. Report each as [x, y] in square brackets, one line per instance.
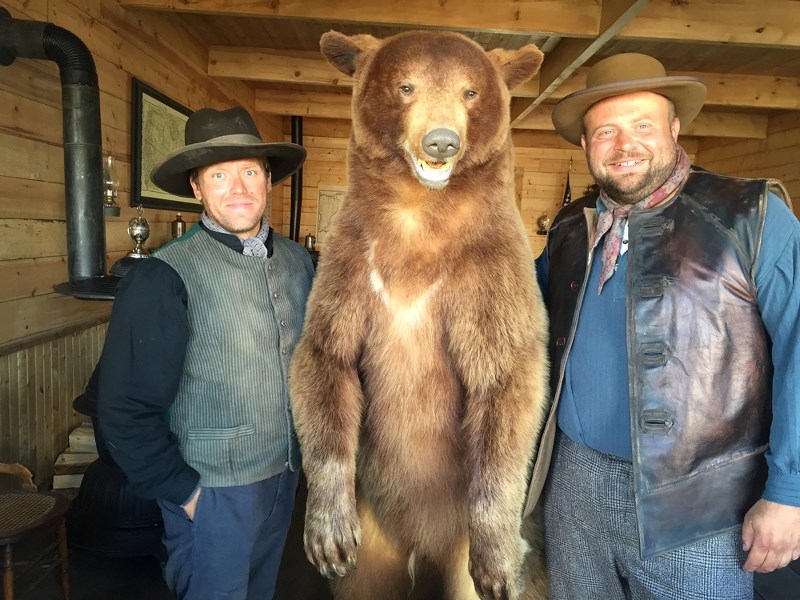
[83, 153]
[297, 184]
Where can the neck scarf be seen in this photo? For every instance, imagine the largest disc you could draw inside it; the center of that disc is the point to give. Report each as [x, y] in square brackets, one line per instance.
[253, 246]
[615, 217]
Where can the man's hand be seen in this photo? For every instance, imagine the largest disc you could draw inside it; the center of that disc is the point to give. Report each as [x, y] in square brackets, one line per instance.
[191, 504]
[771, 535]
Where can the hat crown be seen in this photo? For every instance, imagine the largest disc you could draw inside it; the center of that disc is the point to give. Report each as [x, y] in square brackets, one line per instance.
[624, 67]
[207, 124]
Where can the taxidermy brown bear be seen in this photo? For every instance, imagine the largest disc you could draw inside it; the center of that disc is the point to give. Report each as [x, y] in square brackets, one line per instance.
[419, 385]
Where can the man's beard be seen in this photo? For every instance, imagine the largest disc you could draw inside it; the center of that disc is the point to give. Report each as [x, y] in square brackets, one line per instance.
[617, 190]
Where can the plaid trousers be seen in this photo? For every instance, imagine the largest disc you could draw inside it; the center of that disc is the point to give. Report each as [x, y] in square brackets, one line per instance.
[592, 547]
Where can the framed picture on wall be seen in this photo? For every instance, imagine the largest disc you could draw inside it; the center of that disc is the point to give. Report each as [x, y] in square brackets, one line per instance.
[157, 124]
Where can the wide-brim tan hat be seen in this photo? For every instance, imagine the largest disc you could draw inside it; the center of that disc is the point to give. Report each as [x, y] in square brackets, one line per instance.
[214, 136]
[623, 74]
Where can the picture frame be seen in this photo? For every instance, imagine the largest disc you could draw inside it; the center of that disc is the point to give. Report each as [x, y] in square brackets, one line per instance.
[157, 129]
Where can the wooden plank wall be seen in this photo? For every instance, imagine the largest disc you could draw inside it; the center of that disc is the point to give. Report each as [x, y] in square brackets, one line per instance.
[151, 47]
[37, 386]
[776, 156]
[325, 141]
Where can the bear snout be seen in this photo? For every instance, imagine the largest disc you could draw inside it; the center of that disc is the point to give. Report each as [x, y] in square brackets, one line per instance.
[441, 143]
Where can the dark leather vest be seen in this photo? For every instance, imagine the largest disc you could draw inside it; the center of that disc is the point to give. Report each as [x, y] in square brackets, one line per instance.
[699, 366]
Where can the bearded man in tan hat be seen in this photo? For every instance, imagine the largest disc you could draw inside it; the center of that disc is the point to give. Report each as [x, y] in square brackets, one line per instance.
[192, 395]
[673, 445]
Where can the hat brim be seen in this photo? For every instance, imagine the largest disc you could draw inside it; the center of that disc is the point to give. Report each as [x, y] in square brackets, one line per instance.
[687, 94]
[172, 173]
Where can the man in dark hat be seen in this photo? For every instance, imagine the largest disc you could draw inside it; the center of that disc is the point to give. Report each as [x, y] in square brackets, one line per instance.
[193, 376]
[673, 445]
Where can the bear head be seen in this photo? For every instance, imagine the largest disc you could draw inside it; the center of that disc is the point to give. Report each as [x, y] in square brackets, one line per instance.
[431, 103]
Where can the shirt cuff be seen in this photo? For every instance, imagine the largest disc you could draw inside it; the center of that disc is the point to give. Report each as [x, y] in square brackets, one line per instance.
[783, 488]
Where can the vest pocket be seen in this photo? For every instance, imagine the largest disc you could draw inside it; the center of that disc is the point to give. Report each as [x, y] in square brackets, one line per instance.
[222, 456]
[215, 433]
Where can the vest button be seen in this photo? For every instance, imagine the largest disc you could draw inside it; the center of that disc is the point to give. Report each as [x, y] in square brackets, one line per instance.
[561, 342]
[573, 286]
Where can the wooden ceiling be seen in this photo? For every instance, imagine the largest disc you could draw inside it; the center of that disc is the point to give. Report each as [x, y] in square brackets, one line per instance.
[746, 51]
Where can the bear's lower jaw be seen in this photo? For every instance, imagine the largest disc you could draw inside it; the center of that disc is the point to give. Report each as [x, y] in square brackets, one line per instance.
[432, 175]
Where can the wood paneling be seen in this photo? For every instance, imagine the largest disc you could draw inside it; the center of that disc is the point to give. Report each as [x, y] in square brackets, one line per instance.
[778, 155]
[157, 50]
[37, 387]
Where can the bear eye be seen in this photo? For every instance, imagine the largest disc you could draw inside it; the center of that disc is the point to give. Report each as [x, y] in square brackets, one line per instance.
[405, 89]
[470, 95]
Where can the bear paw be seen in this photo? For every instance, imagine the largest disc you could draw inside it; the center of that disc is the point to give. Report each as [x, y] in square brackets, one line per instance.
[495, 563]
[332, 535]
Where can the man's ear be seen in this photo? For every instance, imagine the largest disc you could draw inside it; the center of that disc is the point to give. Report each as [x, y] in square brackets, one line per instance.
[675, 128]
[196, 190]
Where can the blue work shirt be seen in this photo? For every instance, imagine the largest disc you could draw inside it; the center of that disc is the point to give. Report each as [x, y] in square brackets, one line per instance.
[594, 408]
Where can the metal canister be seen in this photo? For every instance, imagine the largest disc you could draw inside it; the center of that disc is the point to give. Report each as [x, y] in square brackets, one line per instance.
[178, 226]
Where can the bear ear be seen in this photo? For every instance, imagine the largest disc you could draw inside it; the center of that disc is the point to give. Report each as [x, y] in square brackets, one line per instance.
[517, 66]
[342, 51]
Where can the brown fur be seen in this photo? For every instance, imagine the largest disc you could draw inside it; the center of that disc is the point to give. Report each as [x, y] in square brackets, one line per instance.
[419, 384]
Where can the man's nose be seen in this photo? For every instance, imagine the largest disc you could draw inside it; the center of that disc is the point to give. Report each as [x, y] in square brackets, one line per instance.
[237, 185]
[624, 140]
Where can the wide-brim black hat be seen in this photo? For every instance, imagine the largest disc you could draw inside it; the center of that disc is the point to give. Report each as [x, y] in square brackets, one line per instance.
[214, 136]
[624, 74]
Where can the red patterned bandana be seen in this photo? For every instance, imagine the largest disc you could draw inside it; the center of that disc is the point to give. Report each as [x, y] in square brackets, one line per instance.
[613, 219]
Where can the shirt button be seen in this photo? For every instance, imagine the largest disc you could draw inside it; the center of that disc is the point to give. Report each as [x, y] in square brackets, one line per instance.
[573, 286]
[561, 342]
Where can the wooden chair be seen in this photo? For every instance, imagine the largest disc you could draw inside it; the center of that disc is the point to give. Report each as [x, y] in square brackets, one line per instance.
[26, 511]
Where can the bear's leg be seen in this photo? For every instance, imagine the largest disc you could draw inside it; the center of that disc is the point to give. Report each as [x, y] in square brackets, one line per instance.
[534, 575]
[381, 568]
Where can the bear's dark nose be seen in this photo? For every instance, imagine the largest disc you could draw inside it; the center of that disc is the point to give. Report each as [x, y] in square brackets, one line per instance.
[441, 143]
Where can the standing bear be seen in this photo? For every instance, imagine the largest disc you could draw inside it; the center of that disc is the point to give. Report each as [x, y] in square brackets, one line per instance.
[419, 385]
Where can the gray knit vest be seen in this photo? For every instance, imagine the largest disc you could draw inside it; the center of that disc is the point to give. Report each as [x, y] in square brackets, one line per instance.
[231, 413]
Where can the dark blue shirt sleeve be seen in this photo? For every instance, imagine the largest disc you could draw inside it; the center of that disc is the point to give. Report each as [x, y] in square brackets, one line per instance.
[543, 273]
[139, 373]
[777, 276]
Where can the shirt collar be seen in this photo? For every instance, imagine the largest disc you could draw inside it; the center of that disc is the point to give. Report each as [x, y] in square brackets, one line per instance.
[233, 242]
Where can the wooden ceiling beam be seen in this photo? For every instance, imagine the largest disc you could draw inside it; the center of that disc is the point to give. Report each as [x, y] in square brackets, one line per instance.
[757, 91]
[266, 64]
[754, 91]
[728, 125]
[770, 23]
[303, 104]
[285, 66]
[566, 17]
[570, 54]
